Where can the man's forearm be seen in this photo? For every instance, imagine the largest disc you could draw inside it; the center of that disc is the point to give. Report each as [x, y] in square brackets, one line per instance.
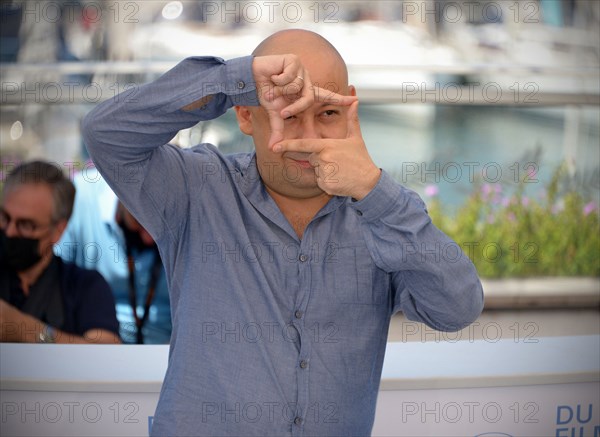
[440, 284]
[28, 329]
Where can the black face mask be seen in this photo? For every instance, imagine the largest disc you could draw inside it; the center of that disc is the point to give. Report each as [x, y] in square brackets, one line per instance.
[18, 253]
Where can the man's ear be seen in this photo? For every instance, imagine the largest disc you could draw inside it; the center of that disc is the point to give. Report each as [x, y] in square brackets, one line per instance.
[59, 229]
[351, 90]
[244, 115]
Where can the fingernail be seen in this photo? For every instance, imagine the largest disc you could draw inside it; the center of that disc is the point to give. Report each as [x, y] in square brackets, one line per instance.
[277, 148]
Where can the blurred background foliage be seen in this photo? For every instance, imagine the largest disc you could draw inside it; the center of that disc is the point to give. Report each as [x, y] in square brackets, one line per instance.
[513, 235]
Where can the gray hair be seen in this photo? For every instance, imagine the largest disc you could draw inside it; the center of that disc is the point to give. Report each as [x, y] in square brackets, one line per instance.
[42, 172]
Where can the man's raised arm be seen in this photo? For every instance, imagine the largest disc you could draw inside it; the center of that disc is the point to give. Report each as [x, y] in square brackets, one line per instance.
[124, 135]
[127, 128]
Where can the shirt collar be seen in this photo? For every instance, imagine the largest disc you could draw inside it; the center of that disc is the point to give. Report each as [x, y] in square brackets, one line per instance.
[254, 189]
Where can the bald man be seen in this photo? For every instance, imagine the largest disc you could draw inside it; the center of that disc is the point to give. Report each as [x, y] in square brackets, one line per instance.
[284, 265]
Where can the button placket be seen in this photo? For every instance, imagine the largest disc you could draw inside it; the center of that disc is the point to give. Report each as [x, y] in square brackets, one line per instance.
[305, 258]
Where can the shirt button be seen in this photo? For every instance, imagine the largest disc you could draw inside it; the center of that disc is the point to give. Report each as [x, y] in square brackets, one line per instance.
[303, 258]
[298, 421]
[241, 84]
[303, 364]
[298, 314]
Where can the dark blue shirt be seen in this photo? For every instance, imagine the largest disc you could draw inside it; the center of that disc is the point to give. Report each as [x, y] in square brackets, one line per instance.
[65, 296]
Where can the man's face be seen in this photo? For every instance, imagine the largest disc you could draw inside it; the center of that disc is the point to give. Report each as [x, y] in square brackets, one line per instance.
[290, 173]
[27, 212]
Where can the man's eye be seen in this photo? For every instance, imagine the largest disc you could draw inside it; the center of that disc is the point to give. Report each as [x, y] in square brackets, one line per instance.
[291, 117]
[26, 225]
[329, 113]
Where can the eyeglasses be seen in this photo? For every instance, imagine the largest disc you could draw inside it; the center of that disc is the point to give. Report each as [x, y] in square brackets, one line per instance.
[25, 227]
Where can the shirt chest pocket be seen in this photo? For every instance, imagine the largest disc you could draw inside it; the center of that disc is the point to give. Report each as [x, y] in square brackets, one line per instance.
[356, 278]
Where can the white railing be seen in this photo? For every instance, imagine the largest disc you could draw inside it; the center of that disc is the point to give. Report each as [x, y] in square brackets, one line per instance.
[488, 84]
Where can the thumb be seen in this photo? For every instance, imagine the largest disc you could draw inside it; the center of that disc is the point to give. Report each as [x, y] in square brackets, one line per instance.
[277, 127]
[353, 121]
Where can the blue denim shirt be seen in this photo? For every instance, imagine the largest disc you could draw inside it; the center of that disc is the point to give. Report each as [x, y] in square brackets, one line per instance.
[272, 335]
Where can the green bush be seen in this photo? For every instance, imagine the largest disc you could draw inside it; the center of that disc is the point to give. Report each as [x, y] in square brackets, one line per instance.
[556, 235]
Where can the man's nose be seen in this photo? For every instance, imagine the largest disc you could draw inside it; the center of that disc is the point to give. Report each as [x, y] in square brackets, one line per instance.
[309, 128]
[11, 229]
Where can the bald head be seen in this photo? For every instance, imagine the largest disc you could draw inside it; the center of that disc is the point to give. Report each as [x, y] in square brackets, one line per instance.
[283, 41]
[313, 50]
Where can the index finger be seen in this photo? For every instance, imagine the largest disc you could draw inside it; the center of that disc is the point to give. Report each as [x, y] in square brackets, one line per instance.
[318, 95]
[305, 145]
[277, 127]
[332, 98]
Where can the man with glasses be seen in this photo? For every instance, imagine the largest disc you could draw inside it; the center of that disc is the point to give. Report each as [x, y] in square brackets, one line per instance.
[42, 298]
